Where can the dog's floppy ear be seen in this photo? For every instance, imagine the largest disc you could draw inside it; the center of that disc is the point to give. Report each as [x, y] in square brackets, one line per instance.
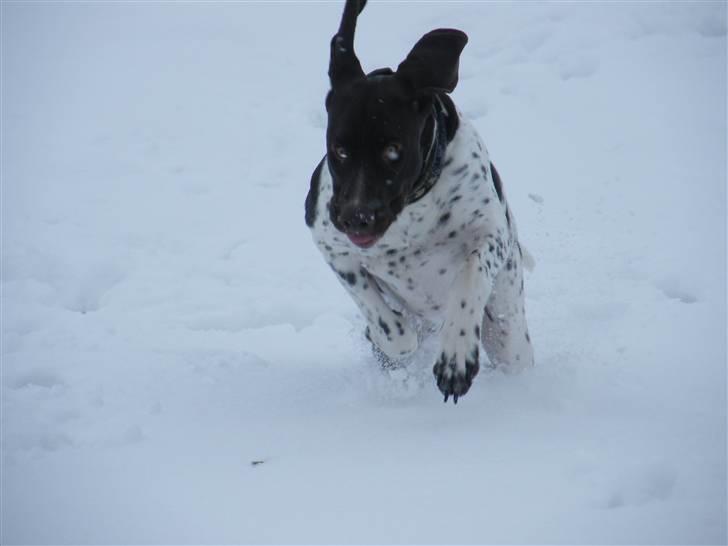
[343, 65]
[432, 65]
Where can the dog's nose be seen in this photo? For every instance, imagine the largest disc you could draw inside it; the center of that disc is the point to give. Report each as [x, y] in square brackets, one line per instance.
[358, 219]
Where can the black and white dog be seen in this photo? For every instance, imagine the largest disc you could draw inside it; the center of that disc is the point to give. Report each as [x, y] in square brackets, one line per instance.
[410, 213]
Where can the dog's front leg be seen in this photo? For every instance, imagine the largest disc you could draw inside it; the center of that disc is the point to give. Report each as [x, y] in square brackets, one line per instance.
[460, 337]
[386, 328]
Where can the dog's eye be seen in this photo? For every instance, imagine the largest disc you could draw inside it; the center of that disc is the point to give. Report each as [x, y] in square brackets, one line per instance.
[392, 153]
[341, 152]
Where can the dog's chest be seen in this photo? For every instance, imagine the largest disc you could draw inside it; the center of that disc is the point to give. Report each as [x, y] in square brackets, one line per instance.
[418, 278]
[434, 241]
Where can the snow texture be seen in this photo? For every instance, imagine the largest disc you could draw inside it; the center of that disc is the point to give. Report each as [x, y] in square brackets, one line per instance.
[180, 366]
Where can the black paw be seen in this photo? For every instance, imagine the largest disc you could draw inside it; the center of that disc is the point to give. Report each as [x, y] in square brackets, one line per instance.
[455, 373]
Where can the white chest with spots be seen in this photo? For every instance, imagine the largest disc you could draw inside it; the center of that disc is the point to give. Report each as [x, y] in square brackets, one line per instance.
[417, 259]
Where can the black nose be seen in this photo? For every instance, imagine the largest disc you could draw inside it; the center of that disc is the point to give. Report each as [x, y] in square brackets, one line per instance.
[361, 219]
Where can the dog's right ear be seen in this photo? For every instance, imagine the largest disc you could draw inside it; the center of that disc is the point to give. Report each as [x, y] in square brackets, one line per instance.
[432, 65]
[344, 65]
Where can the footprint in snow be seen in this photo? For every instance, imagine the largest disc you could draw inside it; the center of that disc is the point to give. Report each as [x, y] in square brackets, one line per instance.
[531, 42]
[37, 379]
[674, 290]
[641, 487]
[509, 89]
[133, 435]
[712, 27]
[578, 67]
[89, 288]
[599, 312]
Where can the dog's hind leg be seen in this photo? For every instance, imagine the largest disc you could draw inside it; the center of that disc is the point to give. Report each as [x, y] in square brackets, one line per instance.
[505, 331]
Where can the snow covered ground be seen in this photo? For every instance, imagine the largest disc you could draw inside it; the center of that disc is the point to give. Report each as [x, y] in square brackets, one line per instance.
[180, 366]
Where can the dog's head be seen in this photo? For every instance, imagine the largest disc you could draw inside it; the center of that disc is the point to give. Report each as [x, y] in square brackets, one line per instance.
[380, 126]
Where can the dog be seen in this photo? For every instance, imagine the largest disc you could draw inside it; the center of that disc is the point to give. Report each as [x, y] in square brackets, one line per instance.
[410, 213]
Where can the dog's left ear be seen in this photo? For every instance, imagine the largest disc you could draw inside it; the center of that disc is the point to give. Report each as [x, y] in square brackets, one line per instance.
[344, 66]
[432, 65]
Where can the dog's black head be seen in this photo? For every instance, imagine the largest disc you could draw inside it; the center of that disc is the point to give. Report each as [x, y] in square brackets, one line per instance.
[380, 126]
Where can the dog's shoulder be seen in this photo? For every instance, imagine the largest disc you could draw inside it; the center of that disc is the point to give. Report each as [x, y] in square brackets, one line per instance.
[313, 194]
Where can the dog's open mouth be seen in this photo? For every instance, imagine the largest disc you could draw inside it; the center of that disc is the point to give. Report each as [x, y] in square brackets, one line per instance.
[363, 241]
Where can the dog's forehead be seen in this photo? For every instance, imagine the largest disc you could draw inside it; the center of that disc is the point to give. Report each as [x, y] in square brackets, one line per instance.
[378, 103]
[376, 93]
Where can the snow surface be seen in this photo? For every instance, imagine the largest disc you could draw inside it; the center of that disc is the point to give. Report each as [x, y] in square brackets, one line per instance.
[179, 365]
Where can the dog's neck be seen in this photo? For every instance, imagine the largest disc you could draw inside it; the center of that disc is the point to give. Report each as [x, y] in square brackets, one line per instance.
[443, 129]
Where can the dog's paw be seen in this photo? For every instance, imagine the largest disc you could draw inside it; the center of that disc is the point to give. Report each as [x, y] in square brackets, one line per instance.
[396, 341]
[386, 362]
[457, 366]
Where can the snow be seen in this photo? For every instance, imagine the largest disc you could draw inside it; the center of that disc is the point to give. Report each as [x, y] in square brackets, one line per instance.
[180, 366]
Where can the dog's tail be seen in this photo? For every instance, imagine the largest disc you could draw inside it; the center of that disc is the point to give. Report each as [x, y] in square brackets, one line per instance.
[528, 260]
[344, 65]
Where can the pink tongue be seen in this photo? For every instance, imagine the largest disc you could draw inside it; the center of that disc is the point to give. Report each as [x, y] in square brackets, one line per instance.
[362, 240]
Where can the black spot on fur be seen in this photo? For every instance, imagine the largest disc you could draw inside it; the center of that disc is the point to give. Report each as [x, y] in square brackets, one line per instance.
[384, 326]
[444, 218]
[313, 194]
[460, 170]
[497, 182]
[348, 277]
